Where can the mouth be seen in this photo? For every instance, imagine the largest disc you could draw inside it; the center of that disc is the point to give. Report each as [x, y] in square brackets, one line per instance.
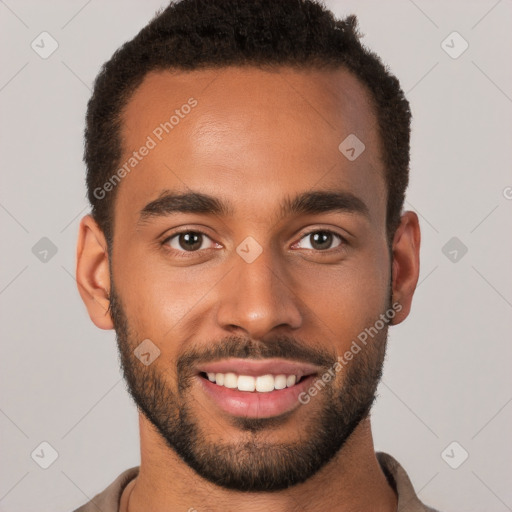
[253, 384]
[255, 388]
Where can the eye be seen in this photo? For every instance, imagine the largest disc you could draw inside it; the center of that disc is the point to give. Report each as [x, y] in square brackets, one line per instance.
[187, 241]
[321, 240]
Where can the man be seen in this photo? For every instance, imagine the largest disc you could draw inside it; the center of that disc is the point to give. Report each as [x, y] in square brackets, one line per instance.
[247, 163]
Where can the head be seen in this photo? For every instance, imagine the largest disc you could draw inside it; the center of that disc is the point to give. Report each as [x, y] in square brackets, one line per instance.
[247, 163]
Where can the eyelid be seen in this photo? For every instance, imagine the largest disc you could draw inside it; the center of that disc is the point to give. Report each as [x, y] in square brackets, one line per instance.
[343, 240]
[186, 254]
[175, 234]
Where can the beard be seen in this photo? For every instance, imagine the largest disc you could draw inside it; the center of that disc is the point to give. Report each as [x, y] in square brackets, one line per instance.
[253, 464]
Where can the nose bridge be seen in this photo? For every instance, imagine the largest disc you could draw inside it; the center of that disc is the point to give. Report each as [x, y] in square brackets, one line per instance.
[256, 297]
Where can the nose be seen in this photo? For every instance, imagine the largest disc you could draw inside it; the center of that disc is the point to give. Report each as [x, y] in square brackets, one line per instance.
[258, 297]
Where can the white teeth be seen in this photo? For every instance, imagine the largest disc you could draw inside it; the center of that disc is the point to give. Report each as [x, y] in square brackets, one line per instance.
[230, 380]
[265, 383]
[261, 384]
[280, 381]
[246, 383]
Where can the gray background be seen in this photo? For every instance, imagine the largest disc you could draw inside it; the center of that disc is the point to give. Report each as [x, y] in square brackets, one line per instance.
[447, 375]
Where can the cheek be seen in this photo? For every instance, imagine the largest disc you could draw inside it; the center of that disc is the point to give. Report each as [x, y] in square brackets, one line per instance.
[161, 300]
[337, 299]
[349, 297]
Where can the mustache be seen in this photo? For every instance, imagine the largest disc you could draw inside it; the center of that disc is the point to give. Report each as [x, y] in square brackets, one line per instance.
[283, 347]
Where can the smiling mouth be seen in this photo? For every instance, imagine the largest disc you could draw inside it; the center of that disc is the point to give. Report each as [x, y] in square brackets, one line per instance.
[254, 384]
[255, 388]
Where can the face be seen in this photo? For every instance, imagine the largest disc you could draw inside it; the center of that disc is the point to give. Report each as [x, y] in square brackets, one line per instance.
[252, 253]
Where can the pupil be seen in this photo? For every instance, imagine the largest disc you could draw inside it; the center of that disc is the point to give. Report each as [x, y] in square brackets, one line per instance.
[320, 238]
[191, 241]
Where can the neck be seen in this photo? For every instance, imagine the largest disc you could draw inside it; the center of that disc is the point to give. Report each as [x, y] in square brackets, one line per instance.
[352, 480]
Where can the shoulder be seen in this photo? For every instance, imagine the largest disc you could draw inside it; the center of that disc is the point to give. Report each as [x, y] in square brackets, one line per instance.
[108, 499]
[398, 478]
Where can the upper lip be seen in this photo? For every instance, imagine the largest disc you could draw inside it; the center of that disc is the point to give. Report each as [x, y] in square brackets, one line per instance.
[255, 367]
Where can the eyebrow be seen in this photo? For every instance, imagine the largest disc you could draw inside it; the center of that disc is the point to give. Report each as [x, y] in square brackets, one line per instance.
[311, 202]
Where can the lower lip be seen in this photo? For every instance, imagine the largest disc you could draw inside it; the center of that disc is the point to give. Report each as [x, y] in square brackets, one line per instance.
[255, 404]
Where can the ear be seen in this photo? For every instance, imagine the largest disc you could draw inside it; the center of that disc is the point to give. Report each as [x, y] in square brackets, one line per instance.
[92, 272]
[406, 263]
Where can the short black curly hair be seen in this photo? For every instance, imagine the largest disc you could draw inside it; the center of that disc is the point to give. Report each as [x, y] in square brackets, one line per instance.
[200, 34]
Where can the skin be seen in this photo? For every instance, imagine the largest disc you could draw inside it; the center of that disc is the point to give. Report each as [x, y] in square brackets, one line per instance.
[254, 138]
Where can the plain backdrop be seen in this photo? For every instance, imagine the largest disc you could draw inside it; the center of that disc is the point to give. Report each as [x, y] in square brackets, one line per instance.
[447, 373]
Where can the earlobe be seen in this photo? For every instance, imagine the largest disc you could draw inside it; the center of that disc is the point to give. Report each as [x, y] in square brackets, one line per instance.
[92, 272]
[406, 263]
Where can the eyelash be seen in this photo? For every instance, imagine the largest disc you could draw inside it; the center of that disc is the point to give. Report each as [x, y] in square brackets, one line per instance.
[188, 254]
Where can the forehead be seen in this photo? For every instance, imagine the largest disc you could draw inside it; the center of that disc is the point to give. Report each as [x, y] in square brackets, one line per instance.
[248, 135]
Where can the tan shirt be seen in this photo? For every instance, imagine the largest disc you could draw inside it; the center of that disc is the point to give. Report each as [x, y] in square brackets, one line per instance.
[108, 500]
